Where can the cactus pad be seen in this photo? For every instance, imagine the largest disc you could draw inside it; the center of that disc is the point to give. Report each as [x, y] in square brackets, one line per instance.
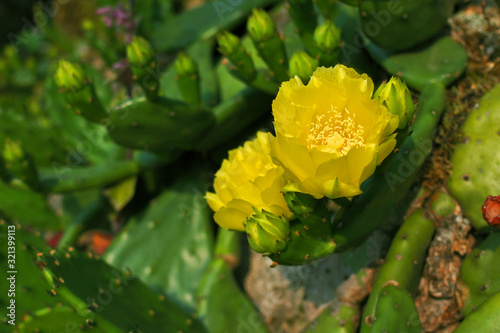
[476, 160]
[111, 299]
[480, 273]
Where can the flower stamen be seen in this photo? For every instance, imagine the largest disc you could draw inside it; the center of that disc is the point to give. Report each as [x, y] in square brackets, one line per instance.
[336, 131]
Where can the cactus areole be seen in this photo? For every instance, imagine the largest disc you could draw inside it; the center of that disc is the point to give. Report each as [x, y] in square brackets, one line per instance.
[491, 210]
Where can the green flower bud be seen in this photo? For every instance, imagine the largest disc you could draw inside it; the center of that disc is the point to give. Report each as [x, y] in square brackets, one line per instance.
[397, 98]
[300, 203]
[302, 65]
[13, 152]
[19, 164]
[70, 76]
[140, 53]
[228, 43]
[184, 65]
[267, 233]
[327, 36]
[260, 25]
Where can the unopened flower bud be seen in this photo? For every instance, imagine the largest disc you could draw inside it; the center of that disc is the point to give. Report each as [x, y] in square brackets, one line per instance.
[70, 76]
[19, 164]
[397, 98]
[140, 53]
[327, 36]
[267, 233]
[302, 65]
[13, 152]
[260, 25]
[184, 65]
[228, 43]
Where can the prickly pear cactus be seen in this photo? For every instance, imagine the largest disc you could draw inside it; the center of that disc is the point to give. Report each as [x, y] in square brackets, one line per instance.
[149, 149]
[480, 275]
[113, 300]
[395, 312]
[400, 25]
[476, 160]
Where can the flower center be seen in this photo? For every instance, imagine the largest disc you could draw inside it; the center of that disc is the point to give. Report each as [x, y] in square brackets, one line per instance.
[335, 130]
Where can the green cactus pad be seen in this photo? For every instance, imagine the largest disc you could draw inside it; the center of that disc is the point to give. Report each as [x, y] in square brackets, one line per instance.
[442, 204]
[480, 273]
[221, 304]
[331, 322]
[69, 179]
[476, 160]
[442, 60]
[179, 31]
[233, 116]
[157, 247]
[400, 25]
[110, 299]
[58, 319]
[31, 289]
[403, 263]
[13, 203]
[484, 319]
[158, 126]
[303, 247]
[395, 312]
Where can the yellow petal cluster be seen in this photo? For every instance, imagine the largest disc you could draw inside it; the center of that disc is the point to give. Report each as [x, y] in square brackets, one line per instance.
[330, 133]
[248, 179]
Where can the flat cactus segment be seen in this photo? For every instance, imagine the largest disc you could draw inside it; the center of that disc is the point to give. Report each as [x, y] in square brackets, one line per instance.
[30, 287]
[233, 116]
[476, 160]
[81, 178]
[14, 201]
[110, 299]
[400, 25]
[484, 319]
[480, 274]
[328, 322]
[303, 247]
[59, 319]
[383, 191]
[158, 126]
[403, 263]
[221, 304]
[170, 245]
[210, 18]
[442, 61]
[395, 312]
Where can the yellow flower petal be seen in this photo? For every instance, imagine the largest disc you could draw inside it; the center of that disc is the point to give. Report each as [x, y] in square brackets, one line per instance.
[330, 134]
[248, 179]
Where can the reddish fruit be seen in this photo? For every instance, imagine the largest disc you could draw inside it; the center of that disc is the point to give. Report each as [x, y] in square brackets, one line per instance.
[491, 210]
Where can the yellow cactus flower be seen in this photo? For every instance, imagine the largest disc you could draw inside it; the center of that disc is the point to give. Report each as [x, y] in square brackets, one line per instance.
[248, 179]
[330, 133]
